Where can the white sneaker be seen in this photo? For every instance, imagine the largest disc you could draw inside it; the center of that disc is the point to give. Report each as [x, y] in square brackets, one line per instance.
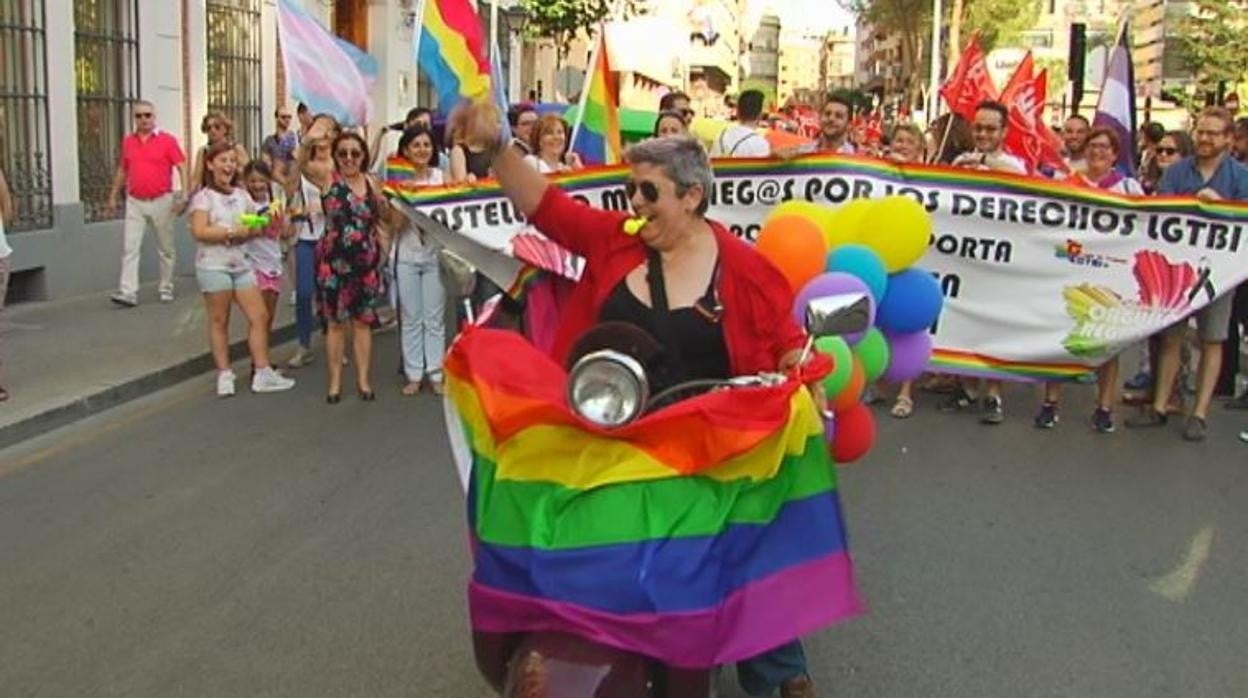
[225, 383]
[294, 299]
[166, 295]
[301, 358]
[266, 380]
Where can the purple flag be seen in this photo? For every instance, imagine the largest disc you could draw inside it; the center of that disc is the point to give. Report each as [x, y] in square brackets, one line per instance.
[1116, 107]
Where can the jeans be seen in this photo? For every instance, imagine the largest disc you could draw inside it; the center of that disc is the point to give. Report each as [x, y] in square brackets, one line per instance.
[422, 306]
[139, 212]
[305, 290]
[763, 674]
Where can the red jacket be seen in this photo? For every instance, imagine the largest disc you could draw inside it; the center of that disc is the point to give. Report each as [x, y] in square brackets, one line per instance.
[758, 321]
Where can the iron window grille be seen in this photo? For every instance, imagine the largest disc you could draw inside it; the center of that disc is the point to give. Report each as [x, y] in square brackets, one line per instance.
[106, 52]
[25, 140]
[234, 66]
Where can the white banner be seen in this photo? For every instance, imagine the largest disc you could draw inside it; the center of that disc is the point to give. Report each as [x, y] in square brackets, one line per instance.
[1041, 279]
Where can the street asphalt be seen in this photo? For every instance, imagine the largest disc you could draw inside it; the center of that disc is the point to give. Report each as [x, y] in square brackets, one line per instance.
[272, 545]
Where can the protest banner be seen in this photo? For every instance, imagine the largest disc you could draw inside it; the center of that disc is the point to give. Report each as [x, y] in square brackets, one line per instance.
[1042, 280]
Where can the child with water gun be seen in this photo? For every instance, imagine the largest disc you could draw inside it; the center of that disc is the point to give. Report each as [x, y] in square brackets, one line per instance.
[270, 227]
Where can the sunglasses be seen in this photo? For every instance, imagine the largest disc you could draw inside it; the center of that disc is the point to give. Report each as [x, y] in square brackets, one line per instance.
[1167, 151]
[349, 154]
[687, 113]
[649, 190]
[143, 115]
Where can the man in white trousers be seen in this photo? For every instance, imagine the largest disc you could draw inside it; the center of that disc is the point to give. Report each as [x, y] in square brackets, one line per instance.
[149, 157]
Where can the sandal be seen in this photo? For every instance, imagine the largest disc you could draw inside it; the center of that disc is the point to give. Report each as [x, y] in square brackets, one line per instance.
[412, 388]
[904, 407]
[4, 395]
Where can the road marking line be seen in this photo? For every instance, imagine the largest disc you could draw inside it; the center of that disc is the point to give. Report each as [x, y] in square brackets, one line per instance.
[1177, 584]
[78, 440]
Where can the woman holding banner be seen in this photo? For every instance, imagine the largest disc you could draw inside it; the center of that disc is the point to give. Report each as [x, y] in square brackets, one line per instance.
[905, 146]
[421, 298]
[1101, 172]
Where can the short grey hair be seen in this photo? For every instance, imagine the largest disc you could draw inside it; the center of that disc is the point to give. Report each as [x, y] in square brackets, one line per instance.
[682, 159]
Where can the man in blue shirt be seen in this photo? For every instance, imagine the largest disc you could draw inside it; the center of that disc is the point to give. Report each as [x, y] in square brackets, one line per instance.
[1210, 175]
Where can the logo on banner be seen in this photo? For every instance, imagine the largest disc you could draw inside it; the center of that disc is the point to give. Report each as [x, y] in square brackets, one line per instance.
[1075, 253]
[1103, 318]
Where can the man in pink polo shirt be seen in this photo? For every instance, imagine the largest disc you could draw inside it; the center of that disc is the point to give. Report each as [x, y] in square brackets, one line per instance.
[149, 157]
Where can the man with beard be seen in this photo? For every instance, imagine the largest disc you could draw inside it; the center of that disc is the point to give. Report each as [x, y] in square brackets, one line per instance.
[988, 131]
[834, 126]
[1210, 175]
[1075, 141]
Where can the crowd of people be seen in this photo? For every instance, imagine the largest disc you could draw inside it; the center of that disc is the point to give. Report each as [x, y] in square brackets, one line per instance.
[310, 206]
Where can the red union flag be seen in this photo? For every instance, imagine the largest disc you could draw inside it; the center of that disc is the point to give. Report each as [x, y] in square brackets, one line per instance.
[1027, 135]
[970, 82]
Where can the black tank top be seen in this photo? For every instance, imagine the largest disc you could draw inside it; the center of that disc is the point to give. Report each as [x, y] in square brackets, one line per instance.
[477, 164]
[702, 352]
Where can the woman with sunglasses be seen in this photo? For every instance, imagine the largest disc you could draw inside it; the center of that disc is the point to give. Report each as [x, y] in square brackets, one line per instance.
[729, 307]
[219, 129]
[348, 264]
[1101, 152]
[1171, 148]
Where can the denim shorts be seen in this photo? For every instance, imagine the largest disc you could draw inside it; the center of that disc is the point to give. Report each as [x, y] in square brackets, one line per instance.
[219, 280]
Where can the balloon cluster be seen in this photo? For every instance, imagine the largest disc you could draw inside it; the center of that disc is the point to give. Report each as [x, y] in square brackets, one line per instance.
[863, 246]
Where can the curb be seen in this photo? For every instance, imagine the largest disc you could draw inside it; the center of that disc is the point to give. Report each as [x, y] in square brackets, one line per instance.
[133, 389]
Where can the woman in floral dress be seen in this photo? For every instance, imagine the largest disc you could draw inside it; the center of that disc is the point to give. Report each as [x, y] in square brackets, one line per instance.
[348, 269]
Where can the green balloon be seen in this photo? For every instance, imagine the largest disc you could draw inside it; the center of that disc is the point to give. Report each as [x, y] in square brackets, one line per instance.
[842, 363]
[872, 351]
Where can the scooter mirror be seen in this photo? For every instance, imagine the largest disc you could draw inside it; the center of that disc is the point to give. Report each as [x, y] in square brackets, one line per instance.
[838, 314]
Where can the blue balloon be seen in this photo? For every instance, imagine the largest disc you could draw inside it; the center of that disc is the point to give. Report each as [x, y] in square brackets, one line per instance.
[912, 302]
[861, 261]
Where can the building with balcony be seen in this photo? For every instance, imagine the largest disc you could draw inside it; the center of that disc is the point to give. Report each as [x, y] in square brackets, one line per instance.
[801, 56]
[761, 58]
[838, 61]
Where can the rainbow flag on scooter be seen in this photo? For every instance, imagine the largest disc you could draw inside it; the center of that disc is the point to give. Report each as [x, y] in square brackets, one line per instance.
[704, 533]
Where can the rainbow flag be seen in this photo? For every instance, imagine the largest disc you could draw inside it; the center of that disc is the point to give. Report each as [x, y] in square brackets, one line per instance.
[705, 533]
[451, 52]
[596, 137]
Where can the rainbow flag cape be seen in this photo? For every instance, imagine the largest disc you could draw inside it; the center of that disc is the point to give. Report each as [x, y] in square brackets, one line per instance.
[707, 532]
[597, 135]
[451, 52]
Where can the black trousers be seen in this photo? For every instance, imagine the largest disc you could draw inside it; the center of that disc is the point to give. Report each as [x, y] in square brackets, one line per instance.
[1230, 348]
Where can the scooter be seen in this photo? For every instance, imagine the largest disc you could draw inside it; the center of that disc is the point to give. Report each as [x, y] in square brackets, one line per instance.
[608, 386]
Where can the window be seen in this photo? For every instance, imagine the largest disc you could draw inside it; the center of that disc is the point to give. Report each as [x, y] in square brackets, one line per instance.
[106, 73]
[234, 66]
[24, 129]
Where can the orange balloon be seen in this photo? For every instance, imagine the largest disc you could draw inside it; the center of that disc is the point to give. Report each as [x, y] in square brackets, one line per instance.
[852, 392]
[794, 244]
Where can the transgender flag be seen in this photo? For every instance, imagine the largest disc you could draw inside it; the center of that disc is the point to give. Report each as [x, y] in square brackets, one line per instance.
[329, 74]
[1116, 107]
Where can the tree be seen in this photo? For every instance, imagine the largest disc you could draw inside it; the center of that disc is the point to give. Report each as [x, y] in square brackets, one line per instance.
[1213, 42]
[561, 20]
[997, 21]
[909, 21]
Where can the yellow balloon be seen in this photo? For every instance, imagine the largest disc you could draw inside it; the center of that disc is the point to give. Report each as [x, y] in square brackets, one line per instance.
[843, 225]
[899, 229]
[817, 214]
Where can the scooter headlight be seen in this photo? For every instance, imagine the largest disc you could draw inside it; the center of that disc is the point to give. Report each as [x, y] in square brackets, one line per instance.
[608, 388]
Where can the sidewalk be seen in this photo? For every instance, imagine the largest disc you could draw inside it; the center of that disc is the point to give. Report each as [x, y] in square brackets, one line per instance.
[68, 359]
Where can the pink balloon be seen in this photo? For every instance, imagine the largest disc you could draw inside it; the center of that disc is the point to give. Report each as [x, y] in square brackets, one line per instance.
[909, 355]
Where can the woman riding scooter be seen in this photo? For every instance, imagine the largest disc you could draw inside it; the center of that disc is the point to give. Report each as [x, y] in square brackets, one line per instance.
[718, 308]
